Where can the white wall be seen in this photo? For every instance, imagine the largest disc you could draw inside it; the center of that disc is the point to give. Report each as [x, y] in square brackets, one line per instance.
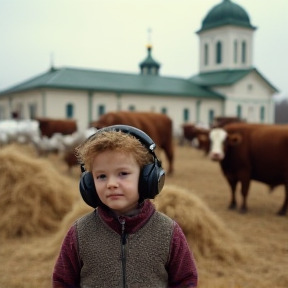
[110, 101]
[4, 109]
[251, 93]
[56, 101]
[21, 102]
[205, 107]
[173, 105]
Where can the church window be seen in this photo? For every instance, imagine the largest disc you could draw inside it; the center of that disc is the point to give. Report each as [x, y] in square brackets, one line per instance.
[186, 115]
[243, 52]
[131, 108]
[164, 110]
[69, 110]
[210, 116]
[206, 53]
[235, 51]
[262, 113]
[101, 110]
[239, 111]
[218, 52]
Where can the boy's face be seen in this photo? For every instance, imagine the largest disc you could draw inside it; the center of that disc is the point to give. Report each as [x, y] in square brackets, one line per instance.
[116, 177]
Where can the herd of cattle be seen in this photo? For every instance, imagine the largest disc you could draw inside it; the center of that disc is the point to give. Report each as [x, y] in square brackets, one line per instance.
[244, 151]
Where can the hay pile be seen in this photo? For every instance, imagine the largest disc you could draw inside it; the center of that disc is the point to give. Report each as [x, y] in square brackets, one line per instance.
[52, 248]
[34, 197]
[204, 230]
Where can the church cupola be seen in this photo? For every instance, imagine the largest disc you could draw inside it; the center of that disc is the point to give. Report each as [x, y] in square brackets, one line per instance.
[149, 66]
[226, 13]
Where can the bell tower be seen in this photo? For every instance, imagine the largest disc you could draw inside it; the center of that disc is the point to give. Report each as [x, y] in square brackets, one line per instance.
[226, 39]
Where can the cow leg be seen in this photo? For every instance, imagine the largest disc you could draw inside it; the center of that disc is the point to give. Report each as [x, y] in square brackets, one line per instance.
[244, 191]
[233, 183]
[283, 209]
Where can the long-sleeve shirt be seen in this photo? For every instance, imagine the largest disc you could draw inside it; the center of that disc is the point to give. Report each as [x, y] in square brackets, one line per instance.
[181, 267]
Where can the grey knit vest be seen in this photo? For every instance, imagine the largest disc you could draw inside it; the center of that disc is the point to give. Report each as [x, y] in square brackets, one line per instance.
[146, 253]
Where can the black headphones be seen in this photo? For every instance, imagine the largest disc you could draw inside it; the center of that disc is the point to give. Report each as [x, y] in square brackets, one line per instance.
[152, 176]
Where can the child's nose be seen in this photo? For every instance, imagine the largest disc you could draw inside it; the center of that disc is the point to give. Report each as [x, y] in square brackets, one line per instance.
[112, 182]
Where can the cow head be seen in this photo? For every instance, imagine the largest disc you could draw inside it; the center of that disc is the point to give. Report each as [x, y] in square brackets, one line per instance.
[220, 139]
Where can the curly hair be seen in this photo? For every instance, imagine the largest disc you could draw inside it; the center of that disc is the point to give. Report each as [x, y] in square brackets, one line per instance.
[114, 141]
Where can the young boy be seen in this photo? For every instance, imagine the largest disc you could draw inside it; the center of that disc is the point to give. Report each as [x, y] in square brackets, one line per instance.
[124, 242]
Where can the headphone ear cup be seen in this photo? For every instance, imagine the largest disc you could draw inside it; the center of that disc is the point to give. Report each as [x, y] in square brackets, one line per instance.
[87, 189]
[151, 181]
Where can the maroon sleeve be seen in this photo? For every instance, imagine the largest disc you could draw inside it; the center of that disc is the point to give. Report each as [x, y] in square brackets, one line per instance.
[181, 268]
[66, 272]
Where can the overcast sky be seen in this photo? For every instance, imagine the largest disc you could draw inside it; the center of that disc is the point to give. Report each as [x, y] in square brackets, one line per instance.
[111, 35]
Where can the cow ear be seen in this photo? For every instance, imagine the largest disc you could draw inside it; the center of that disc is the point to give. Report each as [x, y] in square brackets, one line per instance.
[234, 139]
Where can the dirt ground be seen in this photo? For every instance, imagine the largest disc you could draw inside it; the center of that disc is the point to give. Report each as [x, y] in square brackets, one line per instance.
[261, 234]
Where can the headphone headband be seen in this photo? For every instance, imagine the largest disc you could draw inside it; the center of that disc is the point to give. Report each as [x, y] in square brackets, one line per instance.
[139, 134]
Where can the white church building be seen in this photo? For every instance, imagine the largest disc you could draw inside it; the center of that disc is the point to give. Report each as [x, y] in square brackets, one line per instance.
[227, 83]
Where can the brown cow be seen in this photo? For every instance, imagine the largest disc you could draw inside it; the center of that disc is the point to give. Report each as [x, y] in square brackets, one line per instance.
[49, 126]
[69, 157]
[252, 152]
[191, 133]
[221, 121]
[158, 126]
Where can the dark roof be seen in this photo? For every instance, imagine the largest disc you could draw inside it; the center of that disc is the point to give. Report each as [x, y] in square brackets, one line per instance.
[225, 77]
[226, 13]
[93, 80]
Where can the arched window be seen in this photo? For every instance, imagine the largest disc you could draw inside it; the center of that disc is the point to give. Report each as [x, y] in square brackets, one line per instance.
[243, 52]
[211, 116]
[206, 54]
[101, 110]
[69, 110]
[262, 113]
[186, 115]
[218, 52]
[131, 108]
[239, 111]
[235, 51]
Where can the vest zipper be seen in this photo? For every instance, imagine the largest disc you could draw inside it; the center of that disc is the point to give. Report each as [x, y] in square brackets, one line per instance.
[123, 251]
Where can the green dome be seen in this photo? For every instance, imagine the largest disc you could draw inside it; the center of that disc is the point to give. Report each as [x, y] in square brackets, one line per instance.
[149, 65]
[226, 13]
[149, 61]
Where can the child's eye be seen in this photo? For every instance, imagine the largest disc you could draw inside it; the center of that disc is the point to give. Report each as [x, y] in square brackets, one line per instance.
[124, 173]
[101, 176]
